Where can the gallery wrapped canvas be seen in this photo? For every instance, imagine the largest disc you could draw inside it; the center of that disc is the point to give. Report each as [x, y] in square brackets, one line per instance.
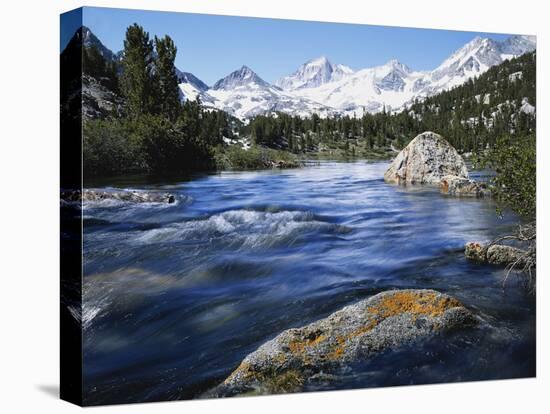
[256, 206]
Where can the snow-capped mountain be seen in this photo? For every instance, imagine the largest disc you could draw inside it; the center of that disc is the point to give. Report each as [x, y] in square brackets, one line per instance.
[518, 45]
[326, 88]
[241, 77]
[314, 73]
[366, 90]
[244, 94]
[473, 59]
[190, 86]
[394, 85]
[319, 86]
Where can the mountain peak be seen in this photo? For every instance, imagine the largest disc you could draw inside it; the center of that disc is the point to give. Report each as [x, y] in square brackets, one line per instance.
[89, 39]
[240, 77]
[246, 71]
[313, 73]
[321, 60]
[397, 65]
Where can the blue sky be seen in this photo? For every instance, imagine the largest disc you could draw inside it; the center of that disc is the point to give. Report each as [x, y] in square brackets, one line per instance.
[212, 46]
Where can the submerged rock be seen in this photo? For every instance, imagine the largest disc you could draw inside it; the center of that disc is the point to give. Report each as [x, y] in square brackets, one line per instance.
[356, 332]
[120, 195]
[462, 187]
[498, 254]
[427, 159]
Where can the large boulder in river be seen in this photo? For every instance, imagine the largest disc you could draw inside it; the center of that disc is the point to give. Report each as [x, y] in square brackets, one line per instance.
[427, 159]
[390, 319]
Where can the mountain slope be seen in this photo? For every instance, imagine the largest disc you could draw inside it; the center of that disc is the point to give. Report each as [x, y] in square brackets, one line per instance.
[502, 101]
[472, 117]
[89, 39]
[244, 94]
[394, 85]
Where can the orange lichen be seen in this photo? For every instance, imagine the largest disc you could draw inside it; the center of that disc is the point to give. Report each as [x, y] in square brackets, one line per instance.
[243, 370]
[299, 346]
[414, 303]
[287, 381]
[339, 347]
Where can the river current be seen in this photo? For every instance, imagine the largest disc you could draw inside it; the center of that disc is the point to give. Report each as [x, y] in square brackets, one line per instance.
[176, 295]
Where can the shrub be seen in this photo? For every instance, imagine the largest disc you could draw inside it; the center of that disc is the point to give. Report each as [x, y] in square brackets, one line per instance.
[256, 157]
[148, 143]
[110, 147]
[515, 181]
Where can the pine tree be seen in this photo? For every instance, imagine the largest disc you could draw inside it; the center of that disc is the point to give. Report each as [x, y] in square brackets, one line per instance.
[138, 79]
[168, 90]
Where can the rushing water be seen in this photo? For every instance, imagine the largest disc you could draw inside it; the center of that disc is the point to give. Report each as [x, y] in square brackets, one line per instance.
[175, 295]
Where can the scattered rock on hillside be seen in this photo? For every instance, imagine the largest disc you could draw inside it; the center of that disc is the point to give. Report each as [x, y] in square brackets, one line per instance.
[356, 332]
[97, 100]
[427, 159]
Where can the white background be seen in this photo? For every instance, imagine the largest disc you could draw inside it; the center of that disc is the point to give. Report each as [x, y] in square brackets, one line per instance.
[29, 174]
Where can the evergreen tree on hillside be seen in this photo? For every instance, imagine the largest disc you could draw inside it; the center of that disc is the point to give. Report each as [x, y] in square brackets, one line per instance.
[168, 91]
[138, 77]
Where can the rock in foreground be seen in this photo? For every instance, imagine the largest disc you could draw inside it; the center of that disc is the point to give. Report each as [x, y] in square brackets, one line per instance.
[427, 159]
[462, 187]
[356, 332]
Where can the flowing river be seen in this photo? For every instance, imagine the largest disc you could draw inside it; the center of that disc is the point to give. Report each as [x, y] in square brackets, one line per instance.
[176, 295]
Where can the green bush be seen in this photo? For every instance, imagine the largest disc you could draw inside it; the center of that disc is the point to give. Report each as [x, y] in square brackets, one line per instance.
[149, 143]
[515, 181]
[110, 147]
[168, 148]
[256, 157]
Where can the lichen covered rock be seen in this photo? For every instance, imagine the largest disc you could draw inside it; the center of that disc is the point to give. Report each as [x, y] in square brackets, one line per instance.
[504, 255]
[356, 332]
[497, 254]
[475, 251]
[462, 187]
[427, 159]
